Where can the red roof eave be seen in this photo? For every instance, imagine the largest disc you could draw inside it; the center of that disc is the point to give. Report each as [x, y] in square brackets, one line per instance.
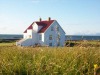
[30, 27]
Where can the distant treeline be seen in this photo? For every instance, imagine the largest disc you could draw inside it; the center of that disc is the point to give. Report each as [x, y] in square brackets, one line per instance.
[81, 37]
[10, 37]
[7, 38]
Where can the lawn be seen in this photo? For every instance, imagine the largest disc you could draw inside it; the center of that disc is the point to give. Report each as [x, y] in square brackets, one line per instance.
[77, 60]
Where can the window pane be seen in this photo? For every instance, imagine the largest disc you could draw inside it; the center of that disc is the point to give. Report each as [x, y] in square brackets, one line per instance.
[57, 28]
[40, 37]
[29, 36]
[50, 44]
[58, 43]
[50, 37]
[59, 37]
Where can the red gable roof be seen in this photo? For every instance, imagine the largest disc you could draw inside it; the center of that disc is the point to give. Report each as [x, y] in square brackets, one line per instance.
[45, 25]
[30, 27]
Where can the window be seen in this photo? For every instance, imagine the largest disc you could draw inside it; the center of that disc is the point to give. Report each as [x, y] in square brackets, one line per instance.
[58, 37]
[40, 37]
[50, 44]
[57, 28]
[29, 36]
[58, 44]
[51, 28]
[50, 37]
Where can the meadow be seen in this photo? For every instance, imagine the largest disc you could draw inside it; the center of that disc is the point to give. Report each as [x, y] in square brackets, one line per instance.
[76, 60]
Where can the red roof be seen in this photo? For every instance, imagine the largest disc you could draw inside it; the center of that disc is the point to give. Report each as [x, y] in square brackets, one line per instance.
[30, 27]
[45, 25]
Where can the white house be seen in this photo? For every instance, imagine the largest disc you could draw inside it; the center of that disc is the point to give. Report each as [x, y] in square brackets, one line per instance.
[44, 33]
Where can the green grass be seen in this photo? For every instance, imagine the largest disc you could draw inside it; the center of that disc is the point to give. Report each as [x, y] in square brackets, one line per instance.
[76, 60]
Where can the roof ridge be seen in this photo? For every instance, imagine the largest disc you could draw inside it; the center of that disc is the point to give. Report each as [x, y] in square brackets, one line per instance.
[44, 23]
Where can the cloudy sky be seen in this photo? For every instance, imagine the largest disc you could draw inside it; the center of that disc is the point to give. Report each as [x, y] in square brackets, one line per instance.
[74, 16]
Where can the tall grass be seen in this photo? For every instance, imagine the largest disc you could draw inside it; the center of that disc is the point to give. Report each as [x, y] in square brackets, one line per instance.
[48, 61]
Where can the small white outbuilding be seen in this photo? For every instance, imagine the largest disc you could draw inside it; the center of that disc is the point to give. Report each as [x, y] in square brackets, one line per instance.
[44, 33]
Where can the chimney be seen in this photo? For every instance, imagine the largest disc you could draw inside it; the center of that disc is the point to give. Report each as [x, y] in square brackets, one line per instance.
[49, 18]
[40, 19]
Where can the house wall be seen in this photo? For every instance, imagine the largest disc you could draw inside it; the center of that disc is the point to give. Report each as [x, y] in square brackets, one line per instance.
[24, 35]
[35, 27]
[54, 34]
[42, 38]
[28, 34]
[27, 42]
[36, 35]
[62, 35]
[32, 36]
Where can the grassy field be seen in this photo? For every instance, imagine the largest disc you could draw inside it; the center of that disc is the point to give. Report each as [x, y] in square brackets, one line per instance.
[77, 60]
